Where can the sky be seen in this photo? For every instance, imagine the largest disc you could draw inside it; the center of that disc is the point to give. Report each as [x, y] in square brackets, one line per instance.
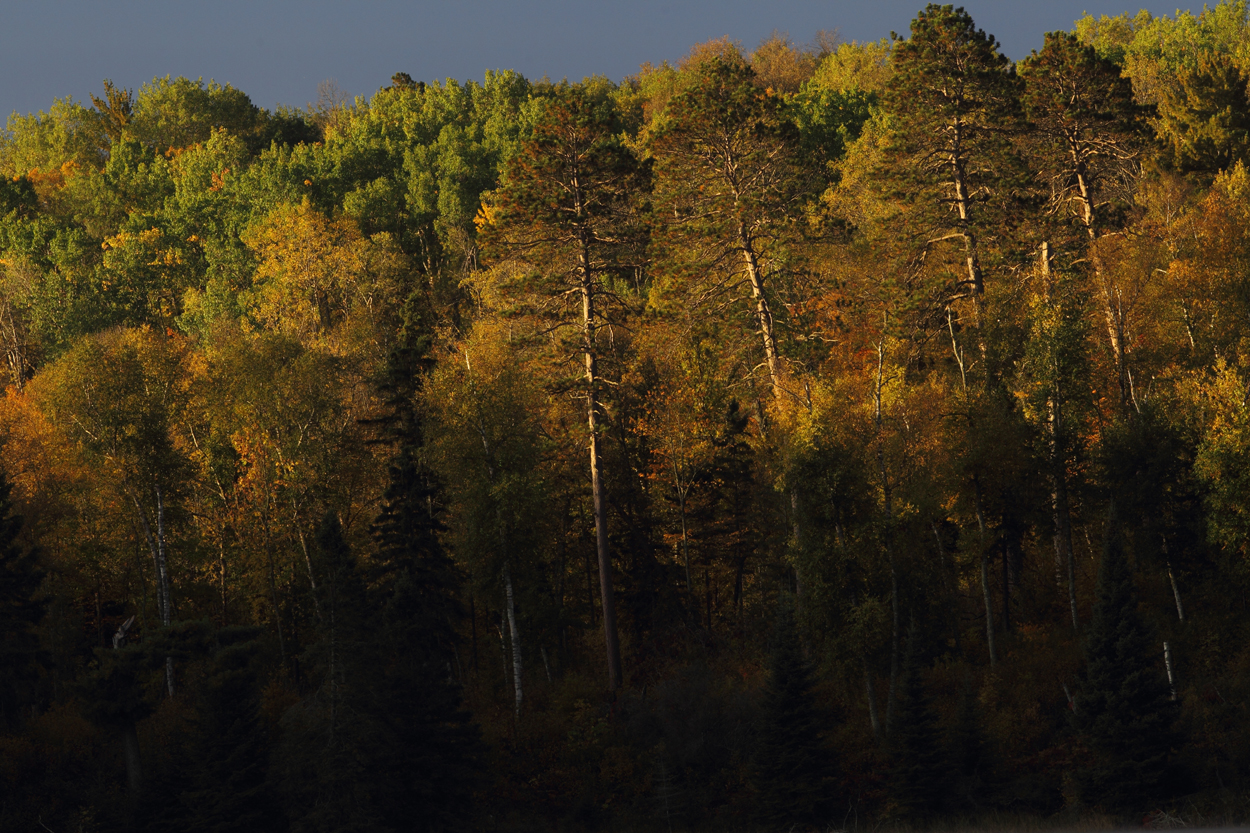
[279, 51]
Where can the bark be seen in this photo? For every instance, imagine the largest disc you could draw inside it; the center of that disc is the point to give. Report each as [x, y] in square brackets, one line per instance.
[1006, 550]
[1176, 593]
[542, 649]
[1109, 293]
[1060, 507]
[764, 319]
[273, 595]
[15, 346]
[312, 579]
[156, 543]
[985, 574]
[1167, 661]
[606, 594]
[763, 315]
[473, 629]
[872, 705]
[685, 541]
[134, 765]
[516, 638]
[888, 505]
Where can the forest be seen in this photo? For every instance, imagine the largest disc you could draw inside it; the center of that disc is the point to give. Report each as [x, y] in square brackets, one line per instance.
[806, 437]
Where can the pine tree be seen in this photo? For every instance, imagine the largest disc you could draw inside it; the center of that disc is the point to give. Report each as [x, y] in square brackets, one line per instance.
[792, 761]
[952, 99]
[569, 205]
[21, 609]
[1123, 708]
[919, 765]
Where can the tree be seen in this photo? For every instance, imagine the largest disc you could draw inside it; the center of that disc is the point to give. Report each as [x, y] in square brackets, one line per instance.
[568, 204]
[122, 395]
[919, 769]
[952, 100]
[1124, 710]
[172, 114]
[951, 104]
[792, 762]
[1089, 135]
[728, 175]
[21, 609]
[229, 754]
[486, 408]
[1204, 121]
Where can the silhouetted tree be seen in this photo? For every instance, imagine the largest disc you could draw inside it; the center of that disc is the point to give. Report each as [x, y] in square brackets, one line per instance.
[1124, 708]
[792, 761]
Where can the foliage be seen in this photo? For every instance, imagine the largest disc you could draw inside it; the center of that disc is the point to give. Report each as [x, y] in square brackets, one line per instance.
[298, 405]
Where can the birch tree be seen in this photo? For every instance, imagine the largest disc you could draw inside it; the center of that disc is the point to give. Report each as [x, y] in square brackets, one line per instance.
[121, 395]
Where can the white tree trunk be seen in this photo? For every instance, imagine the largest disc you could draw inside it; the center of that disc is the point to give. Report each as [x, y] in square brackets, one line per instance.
[516, 638]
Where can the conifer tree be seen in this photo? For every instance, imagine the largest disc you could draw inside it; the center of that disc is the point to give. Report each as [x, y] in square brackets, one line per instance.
[569, 205]
[952, 99]
[919, 766]
[229, 755]
[792, 762]
[1124, 708]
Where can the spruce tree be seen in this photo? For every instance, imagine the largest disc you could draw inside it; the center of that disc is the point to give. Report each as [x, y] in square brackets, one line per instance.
[1123, 708]
[229, 754]
[21, 609]
[792, 761]
[919, 767]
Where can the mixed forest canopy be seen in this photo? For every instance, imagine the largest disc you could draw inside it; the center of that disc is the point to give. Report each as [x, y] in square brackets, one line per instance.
[809, 435]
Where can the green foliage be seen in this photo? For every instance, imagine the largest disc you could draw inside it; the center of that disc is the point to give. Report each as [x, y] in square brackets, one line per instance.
[407, 316]
[1204, 120]
[172, 114]
[1090, 130]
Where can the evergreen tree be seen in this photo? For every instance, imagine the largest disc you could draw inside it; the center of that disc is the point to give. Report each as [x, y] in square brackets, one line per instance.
[570, 203]
[1123, 709]
[792, 761]
[971, 766]
[21, 609]
[323, 766]
[952, 100]
[229, 755]
[919, 766]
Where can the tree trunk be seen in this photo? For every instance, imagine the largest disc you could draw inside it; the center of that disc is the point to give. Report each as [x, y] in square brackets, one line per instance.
[888, 505]
[872, 705]
[1061, 515]
[985, 574]
[606, 594]
[157, 545]
[764, 318]
[954, 593]
[685, 541]
[312, 579]
[134, 764]
[516, 638]
[763, 315]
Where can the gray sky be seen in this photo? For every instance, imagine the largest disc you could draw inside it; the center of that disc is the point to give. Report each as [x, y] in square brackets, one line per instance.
[278, 51]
